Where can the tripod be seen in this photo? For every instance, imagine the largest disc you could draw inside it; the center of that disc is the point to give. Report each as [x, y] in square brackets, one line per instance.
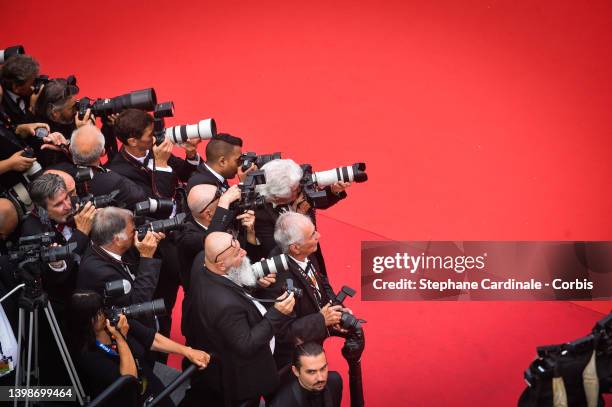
[33, 299]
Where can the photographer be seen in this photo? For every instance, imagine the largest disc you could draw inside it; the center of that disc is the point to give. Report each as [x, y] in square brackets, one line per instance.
[87, 148]
[54, 212]
[282, 191]
[316, 317]
[56, 106]
[231, 324]
[151, 167]
[17, 78]
[222, 163]
[109, 257]
[104, 352]
[312, 384]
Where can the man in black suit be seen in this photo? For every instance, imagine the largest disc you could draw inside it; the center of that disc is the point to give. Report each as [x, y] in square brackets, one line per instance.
[17, 79]
[54, 212]
[316, 318]
[282, 192]
[152, 167]
[312, 384]
[233, 326]
[87, 148]
[222, 163]
[112, 236]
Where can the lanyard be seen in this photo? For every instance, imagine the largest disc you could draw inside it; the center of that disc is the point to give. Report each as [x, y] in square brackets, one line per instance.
[108, 350]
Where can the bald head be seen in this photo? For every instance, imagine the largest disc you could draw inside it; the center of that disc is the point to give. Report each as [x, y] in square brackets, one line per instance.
[87, 145]
[199, 197]
[8, 218]
[68, 180]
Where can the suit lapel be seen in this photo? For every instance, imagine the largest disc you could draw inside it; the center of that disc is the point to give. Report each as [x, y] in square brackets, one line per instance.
[230, 284]
[295, 270]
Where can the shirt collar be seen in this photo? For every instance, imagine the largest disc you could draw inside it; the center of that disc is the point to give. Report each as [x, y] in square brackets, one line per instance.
[13, 96]
[302, 264]
[139, 159]
[215, 173]
[196, 221]
[113, 255]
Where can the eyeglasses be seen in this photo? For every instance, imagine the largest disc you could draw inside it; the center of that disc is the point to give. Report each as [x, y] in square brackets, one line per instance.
[217, 196]
[234, 243]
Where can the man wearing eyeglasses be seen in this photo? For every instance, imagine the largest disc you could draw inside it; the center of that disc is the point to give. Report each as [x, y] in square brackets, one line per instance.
[230, 323]
[18, 75]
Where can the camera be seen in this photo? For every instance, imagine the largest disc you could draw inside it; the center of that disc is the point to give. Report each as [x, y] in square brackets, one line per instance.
[249, 158]
[347, 321]
[100, 201]
[312, 181]
[275, 264]
[150, 308]
[161, 206]
[297, 292]
[10, 51]
[83, 174]
[161, 111]
[351, 173]
[141, 99]
[20, 198]
[164, 225]
[40, 133]
[35, 247]
[203, 130]
[249, 198]
[41, 80]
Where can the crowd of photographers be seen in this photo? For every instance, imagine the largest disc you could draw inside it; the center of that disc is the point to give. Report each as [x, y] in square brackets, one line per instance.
[101, 224]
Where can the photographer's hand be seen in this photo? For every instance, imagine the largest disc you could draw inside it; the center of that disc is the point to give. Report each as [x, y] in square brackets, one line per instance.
[198, 357]
[127, 365]
[248, 223]
[121, 330]
[301, 205]
[331, 314]
[29, 129]
[148, 245]
[243, 174]
[190, 147]
[162, 153]
[267, 281]
[87, 119]
[84, 218]
[54, 141]
[286, 305]
[16, 162]
[229, 196]
[339, 186]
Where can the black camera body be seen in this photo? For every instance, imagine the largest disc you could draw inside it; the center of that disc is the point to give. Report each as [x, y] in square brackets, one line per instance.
[249, 158]
[297, 292]
[249, 198]
[41, 80]
[164, 225]
[40, 133]
[150, 308]
[141, 99]
[316, 198]
[8, 52]
[161, 111]
[347, 321]
[36, 247]
[100, 201]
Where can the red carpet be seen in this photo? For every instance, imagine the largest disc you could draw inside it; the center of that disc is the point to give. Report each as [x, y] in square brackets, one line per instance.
[477, 119]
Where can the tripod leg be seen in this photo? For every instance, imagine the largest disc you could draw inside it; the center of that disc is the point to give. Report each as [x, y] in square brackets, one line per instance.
[61, 345]
[29, 367]
[19, 341]
[36, 331]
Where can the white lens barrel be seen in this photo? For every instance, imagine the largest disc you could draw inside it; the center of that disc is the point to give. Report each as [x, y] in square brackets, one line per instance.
[203, 130]
[329, 177]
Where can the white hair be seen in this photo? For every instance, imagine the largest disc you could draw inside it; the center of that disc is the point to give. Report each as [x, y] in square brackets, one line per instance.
[243, 275]
[288, 229]
[281, 177]
[80, 157]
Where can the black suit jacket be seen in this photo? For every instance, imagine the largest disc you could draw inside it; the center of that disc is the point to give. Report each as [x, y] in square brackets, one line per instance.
[13, 110]
[228, 324]
[105, 181]
[153, 183]
[292, 394]
[98, 268]
[9, 145]
[309, 324]
[203, 176]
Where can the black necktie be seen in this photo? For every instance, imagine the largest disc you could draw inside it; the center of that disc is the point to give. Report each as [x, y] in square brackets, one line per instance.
[19, 101]
[225, 186]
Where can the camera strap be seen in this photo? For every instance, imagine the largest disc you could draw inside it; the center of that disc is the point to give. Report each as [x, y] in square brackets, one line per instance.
[125, 266]
[106, 349]
[142, 167]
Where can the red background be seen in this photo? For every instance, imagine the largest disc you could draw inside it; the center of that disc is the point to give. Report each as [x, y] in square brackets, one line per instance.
[482, 120]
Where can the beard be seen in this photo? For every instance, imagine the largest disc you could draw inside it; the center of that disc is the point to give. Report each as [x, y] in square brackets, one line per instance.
[243, 274]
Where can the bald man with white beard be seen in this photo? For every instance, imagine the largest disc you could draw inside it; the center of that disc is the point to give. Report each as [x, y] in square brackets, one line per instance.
[234, 326]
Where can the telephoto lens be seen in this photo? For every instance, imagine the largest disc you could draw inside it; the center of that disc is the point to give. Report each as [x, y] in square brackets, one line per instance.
[35, 170]
[164, 226]
[203, 130]
[10, 51]
[41, 132]
[155, 307]
[57, 253]
[276, 264]
[161, 206]
[352, 173]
